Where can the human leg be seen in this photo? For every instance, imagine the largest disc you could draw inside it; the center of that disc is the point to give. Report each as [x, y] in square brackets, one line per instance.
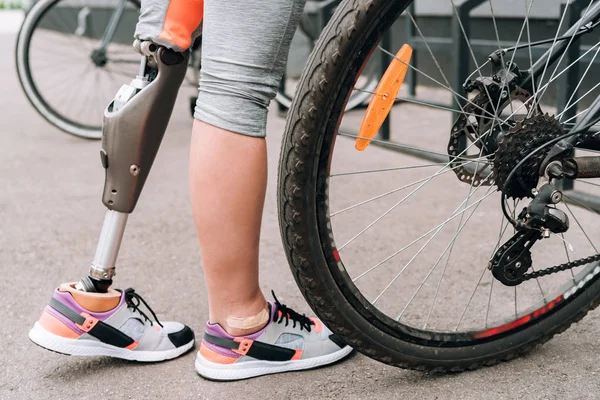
[245, 48]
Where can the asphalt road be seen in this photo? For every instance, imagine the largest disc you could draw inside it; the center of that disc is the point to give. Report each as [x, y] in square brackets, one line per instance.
[51, 215]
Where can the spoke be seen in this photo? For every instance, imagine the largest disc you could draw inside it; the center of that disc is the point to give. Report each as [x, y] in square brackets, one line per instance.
[512, 59]
[386, 194]
[454, 94]
[587, 183]
[441, 225]
[467, 40]
[487, 312]
[406, 147]
[423, 181]
[81, 40]
[390, 209]
[423, 247]
[500, 235]
[59, 98]
[581, 227]
[92, 25]
[470, 299]
[477, 285]
[540, 287]
[575, 117]
[435, 106]
[451, 245]
[123, 61]
[54, 52]
[73, 93]
[440, 171]
[532, 98]
[92, 97]
[578, 100]
[107, 91]
[562, 19]
[82, 86]
[564, 242]
[118, 71]
[516, 307]
[57, 35]
[533, 83]
[580, 82]
[386, 170]
[578, 202]
[57, 80]
[565, 52]
[438, 82]
[498, 34]
[449, 248]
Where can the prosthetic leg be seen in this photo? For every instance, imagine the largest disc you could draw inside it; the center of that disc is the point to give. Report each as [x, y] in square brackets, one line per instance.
[133, 128]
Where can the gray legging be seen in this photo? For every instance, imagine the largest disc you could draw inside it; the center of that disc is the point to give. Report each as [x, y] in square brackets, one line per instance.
[245, 44]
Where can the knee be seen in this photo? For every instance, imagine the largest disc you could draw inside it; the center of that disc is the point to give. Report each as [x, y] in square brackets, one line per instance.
[236, 100]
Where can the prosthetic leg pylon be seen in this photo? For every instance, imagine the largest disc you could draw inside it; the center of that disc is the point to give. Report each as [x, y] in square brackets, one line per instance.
[133, 127]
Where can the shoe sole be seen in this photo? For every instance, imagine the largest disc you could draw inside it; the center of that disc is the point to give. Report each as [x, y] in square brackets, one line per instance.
[251, 369]
[83, 347]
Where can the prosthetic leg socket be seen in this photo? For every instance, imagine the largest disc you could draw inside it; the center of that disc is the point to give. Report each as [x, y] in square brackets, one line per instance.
[133, 127]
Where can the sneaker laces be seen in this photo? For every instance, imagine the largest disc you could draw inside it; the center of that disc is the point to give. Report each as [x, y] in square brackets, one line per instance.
[289, 314]
[134, 300]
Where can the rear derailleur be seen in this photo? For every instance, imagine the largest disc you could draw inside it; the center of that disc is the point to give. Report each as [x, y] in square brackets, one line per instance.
[536, 221]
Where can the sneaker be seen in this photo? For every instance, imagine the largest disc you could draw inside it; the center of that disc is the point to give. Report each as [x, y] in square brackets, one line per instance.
[108, 324]
[289, 342]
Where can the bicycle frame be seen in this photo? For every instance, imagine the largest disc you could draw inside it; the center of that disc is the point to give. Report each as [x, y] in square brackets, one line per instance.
[99, 55]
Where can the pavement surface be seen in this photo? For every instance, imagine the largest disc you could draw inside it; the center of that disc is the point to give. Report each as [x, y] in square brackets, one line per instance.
[51, 216]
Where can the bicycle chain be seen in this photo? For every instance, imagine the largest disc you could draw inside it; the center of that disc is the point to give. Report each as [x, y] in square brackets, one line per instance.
[547, 271]
[561, 267]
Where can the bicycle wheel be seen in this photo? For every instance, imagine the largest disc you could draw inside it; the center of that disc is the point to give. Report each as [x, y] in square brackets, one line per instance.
[302, 45]
[392, 247]
[72, 56]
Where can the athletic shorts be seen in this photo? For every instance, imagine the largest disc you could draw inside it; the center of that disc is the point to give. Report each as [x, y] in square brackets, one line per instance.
[245, 44]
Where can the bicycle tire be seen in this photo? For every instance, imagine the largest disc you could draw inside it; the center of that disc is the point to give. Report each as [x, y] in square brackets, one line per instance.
[28, 84]
[356, 99]
[310, 133]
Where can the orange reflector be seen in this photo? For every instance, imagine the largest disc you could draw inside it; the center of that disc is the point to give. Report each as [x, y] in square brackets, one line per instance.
[384, 97]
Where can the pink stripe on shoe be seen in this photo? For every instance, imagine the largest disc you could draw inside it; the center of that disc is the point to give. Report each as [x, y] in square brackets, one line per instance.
[67, 299]
[217, 330]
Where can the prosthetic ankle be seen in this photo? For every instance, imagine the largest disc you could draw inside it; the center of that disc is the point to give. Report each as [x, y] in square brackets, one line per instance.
[133, 128]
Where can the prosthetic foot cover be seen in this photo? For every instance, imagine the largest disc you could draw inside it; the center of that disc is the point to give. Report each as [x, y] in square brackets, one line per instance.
[134, 124]
[115, 324]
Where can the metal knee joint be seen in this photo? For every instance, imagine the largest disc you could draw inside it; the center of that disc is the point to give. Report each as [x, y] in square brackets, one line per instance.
[135, 122]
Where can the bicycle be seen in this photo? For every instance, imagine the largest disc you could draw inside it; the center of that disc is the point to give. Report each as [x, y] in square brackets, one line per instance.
[377, 243]
[97, 37]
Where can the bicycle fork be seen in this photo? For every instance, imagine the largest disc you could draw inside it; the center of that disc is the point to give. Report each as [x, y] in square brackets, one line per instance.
[133, 127]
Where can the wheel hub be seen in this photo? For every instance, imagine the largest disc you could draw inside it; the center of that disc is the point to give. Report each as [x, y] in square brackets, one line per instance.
[478, 125]
[99, 57]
